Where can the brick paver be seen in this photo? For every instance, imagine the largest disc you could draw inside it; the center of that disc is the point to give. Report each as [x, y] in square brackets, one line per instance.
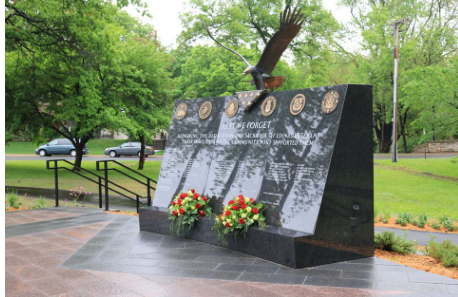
[35, 266]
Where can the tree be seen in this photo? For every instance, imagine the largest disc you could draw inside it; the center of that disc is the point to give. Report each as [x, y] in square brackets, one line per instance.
[64, 68]
[145, 89]
[247, 26]
[435, 89]
[430, 39]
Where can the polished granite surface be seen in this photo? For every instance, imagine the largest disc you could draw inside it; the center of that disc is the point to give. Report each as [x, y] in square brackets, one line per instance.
[313, 171]
[111, 257]
[282, 160]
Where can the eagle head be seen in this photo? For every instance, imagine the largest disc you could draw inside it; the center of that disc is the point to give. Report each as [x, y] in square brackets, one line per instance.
[248, 70]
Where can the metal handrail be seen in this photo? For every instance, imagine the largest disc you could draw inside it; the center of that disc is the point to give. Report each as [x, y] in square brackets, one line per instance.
[106, 169]
[128, 168]
[99, 182]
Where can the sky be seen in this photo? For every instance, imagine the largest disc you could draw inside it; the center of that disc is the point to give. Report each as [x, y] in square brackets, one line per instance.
[167, 22]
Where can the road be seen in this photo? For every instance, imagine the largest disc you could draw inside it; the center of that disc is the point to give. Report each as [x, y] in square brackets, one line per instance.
[71, 159]
[417, 156]
[159, 158]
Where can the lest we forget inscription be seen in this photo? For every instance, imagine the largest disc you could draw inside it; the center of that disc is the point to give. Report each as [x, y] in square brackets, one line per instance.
[278, 152]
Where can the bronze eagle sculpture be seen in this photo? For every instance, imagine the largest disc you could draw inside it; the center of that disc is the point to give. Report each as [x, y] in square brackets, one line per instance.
[290, 25]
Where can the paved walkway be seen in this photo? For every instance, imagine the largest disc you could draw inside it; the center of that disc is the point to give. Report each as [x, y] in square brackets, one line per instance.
[84, 252]
[422, 237]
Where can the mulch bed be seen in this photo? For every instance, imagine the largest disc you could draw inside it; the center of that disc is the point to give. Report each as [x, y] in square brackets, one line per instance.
[428, 228]
[420, 262]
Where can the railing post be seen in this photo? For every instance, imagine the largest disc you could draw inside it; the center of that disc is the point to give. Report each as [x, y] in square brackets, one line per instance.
[106, 187]
[100, 192]
[138, 203]
[56, 183]
[149, 192]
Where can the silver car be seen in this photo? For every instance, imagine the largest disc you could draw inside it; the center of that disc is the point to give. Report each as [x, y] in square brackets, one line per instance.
[129, 149]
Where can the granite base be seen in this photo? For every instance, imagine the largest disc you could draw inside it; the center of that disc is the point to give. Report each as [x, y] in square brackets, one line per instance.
[285, 247]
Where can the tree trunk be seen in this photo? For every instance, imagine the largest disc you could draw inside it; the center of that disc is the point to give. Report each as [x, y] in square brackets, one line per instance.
[78, 158]
[79, 147]
[383, 134]
[402, 122]
[141, 161]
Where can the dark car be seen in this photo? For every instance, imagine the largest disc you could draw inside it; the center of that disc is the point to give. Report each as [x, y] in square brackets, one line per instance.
[129, 149]
[60, 146]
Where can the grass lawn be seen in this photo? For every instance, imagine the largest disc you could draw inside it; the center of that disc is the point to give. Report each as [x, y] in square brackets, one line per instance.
[396, 191]
[444, 167]
[33, 203]
[96, 146]
[34, 174]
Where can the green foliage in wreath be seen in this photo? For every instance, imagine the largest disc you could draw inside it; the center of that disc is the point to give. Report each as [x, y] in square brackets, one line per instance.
[238, 215]
[185, 211]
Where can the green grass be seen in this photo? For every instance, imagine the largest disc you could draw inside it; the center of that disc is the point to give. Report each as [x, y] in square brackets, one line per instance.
[34, 174]
[397, 191]
[34, 203]
[444, 167]
[20, 147]
[96, 146]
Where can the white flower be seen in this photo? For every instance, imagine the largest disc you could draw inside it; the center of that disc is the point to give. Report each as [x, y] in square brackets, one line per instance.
[234, 217]
[255, 217]
[193, 207]
[246, 199]
[244, 215]
[248, 209]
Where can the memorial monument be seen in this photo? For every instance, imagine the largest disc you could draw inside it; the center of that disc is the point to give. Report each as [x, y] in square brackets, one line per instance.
[305, 154]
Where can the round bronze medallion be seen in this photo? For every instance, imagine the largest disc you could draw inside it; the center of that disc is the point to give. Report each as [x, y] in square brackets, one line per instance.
[268, 106]
[181, 111]
[205, 110]
[232, 108]
[297, 104]
[330, 101]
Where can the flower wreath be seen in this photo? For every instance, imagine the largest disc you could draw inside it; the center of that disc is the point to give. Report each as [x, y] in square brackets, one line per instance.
[185, 211]
[239, 214]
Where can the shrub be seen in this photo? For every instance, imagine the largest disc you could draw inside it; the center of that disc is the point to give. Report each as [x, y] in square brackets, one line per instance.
[436, 225]
[422, 220]
[450, 226]
[13, 199]
[376, 212]
[403, 219]
[388, 241]
[445, 252]
[443, 219]
[41, 202]
[447, 223]
[385, 217]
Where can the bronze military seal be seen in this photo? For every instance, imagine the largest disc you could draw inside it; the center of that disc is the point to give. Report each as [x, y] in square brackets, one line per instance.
[297, 104]
[330, 101]
[181, 111]
[232, 108]
[205, 110]
[268, 106]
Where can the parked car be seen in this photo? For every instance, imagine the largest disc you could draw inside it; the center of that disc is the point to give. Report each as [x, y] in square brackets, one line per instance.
[61, 146]
[129, 149]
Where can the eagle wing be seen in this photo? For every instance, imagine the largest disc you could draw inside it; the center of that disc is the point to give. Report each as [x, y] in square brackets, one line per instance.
[290, 24]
